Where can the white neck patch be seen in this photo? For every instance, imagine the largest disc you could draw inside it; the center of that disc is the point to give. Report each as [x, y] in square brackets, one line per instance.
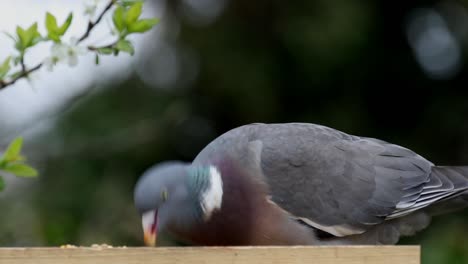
[212, 197]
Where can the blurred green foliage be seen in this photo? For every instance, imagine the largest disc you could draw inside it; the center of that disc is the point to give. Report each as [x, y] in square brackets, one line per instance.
[12, 162]
[344, 64]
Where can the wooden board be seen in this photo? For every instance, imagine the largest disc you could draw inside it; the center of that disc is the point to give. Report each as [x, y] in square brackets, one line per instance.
[215, 255]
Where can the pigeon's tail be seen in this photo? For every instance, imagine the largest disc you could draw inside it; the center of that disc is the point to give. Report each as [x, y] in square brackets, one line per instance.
[445, 182]
[449, 185]
[445, 190]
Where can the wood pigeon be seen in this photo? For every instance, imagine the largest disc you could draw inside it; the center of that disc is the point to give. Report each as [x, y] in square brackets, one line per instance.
[296, 184]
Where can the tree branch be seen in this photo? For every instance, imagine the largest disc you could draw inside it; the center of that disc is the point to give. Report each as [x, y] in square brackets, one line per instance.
[110, 46]
[25, 72]
[23, 66]
[91, 24]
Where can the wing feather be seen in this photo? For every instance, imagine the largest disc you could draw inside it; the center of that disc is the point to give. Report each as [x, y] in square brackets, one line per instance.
[339, 183]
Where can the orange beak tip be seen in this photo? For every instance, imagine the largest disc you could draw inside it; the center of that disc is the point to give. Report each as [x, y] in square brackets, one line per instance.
[150, 239]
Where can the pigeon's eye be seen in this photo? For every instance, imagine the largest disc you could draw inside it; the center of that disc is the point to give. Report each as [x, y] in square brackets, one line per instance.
[164, 195]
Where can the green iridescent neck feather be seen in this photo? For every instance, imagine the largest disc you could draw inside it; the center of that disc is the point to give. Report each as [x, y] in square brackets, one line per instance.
[199, 181]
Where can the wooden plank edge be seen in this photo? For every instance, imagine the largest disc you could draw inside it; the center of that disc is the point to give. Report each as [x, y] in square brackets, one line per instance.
[221, 255]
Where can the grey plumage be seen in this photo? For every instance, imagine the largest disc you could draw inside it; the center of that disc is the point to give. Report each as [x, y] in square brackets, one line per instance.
[359, 190]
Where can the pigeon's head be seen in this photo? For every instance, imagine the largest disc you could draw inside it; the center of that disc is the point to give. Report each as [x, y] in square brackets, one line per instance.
[176, 194]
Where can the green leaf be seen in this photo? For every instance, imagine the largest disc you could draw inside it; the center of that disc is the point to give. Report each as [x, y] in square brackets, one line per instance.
[27, 38]
[106, 51]
[143, 25]
[21, 170]
[19, 47]
[54, 37]
[36, 39]
[63, 29]
[5, 67]
[32, 35]
[97, 59]
[118, 18]
[133, 13]
[22, 37]
[36, 36]
[125, 46]
[2, 184]
[128, 3]
[20, 158]
[51, 24]
[54, 32]
[13, 150]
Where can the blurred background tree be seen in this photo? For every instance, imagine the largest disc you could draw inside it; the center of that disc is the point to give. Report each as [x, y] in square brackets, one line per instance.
[390, 70]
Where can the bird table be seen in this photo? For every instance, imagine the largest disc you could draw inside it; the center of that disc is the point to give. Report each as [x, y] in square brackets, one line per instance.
[215, 255]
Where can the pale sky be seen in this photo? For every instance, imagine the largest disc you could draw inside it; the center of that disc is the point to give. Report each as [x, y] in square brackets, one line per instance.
[22, 103]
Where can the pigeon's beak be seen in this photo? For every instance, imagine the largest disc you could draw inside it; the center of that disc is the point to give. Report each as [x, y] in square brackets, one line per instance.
[150, 223]
[150, 239]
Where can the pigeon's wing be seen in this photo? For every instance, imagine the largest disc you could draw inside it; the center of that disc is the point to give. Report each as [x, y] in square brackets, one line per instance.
[333, 181]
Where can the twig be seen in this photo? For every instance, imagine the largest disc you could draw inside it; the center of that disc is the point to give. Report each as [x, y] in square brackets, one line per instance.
[25, 72]
[110, 46]
[23, 66]
[91, 25]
